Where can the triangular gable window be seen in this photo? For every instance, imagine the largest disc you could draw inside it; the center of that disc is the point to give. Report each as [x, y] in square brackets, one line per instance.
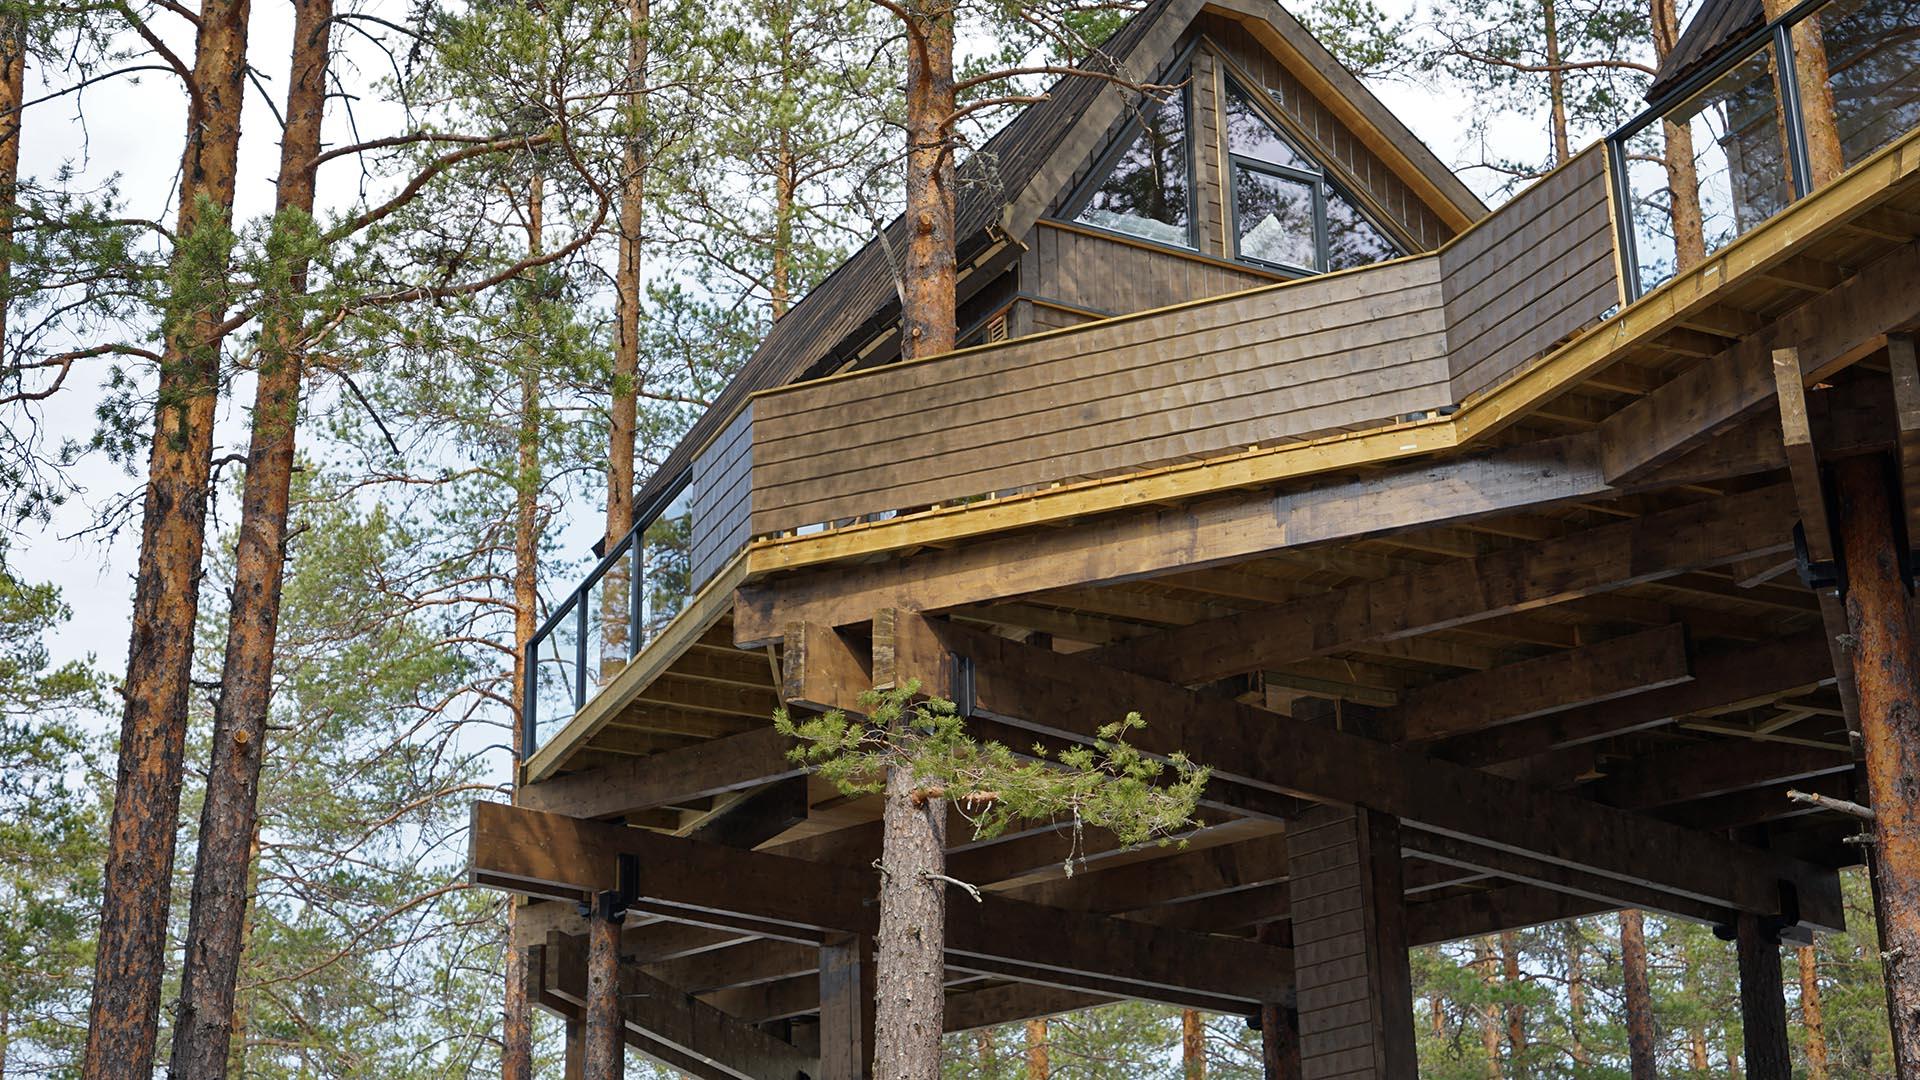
[1286, 212]
[1147, 190]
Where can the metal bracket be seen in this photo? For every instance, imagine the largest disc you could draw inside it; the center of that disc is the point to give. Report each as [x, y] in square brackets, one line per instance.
[612, 904]
[1827, 574]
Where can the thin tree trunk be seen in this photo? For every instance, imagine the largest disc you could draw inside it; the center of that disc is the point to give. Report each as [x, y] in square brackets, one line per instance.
[6, 1037]
[203, 1024]
[1436, 1017]
[1193, 1045]
[130, 955]
[1516, 1012]
[516, 1029]
[1576, 994]
[910, 948]
[1697, 1049]
[929, 321]
[1638, 995]
[623, 416]
[1683, 176]
[243, 1006]
[13, 96]
[1812, 1020]
[1556, 82]
[1824, 153]
[1038, 1065]
[785, 178]
[1483, 964]
[985, 1053]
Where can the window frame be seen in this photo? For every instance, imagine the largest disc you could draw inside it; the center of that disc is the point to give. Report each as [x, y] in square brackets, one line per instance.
[1103, 168]
[1323, 186]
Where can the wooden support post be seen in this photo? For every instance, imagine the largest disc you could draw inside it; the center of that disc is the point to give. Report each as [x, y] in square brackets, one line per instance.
[846, 1008]
[1356, 1004]
[576, 1061]
[1763, 1001]
[1279, 1020]
[605, 1056]
[1887, 676]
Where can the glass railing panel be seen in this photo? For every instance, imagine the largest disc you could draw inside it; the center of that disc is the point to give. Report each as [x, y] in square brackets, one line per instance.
[1859, 62]
[1708, 172]
[555, 678]
[666, 566]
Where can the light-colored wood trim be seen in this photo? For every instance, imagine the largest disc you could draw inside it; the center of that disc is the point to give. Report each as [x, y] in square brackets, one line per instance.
[714, 599]
[1480, 416]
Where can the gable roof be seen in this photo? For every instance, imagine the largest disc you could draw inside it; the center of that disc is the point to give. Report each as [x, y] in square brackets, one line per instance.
[1717, 26]
[1008, 184]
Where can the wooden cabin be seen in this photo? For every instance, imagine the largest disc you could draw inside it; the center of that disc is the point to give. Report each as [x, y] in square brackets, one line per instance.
[1504, 566]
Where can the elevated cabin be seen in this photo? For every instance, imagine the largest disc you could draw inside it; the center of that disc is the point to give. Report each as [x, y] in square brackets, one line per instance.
[1505, 566]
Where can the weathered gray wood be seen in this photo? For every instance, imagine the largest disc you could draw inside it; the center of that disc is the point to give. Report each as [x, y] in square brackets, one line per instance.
[722, 496]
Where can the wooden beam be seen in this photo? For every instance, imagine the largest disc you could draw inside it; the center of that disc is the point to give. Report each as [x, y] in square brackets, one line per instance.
[1526, 870]
[1215, 530]
[1830, 330]
[709, 768]
[549, 854]
[1463, 591]
[971, 1009]
[758, 818]
[1510, 907]
[1763, 1001]
[1070, 696]
[1721, 679]
[1682, 774]
[1555, 682]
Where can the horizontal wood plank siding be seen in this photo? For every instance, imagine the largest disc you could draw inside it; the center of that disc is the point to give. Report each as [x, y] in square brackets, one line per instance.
[1530, 275]
[1344, 350]
[722, 498]
[1109, 274]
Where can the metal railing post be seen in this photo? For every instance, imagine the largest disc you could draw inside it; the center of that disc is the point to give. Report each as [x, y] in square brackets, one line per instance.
[636, 586]
[1624, 209]
[530, 701]
[1788, 80]
[580, 649]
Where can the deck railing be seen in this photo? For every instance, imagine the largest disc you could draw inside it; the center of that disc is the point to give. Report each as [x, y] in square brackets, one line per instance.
[1787, 109]
[625, 601]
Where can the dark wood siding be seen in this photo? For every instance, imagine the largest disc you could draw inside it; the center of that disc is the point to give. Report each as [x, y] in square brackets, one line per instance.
[1092, 271]
[1332, 141]
[1315, 355]
[1530, 275]
[722, 497]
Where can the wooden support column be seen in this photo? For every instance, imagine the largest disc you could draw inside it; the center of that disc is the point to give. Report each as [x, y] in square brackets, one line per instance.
[1279, 1020]
[846, 1007]
[1354, 987]
[1763, 1000]
[576, 1060]
[605, 1054]
[1887, 677]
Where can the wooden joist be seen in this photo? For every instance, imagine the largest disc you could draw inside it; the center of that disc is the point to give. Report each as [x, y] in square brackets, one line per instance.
[1070, 696]
[1681, 774]
[715, 767]
[553, 855]
[1463, 591]
[1508, 907]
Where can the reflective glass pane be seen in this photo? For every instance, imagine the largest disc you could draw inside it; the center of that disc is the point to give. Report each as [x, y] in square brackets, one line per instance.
[1250, 135]
[666, 561]
[1352, 240]
[1867, 54]
[555, 670]
[1146, 194]
[1709, 173]
[1273, 218]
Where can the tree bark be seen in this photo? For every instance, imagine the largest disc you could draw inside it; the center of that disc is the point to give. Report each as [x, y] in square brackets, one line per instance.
[616, 588]
[1576, 995]
[1556, 82]
[203, 1024]
[606, 1051]
[516, 1023]
[1816, 94]
[1038, 1065]
[1683, 175]
[928, 307]
[1811, 1019]
[130, 956]
[1516, 1012]
[786, 180]
[1193, 1045]
[13, 96]
[1483, 962]
[985, 1052]
[1887, 674]
[1638, 995]
[911, 946]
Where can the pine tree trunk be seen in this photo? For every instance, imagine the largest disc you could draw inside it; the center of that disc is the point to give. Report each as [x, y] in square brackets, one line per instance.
[1516, 1012]
[624, 409]
[1683, 176]
[985, 1052]
[203, 1024]
[1816, 94]
[243, 1006]
[1556, 82]
[1576, 995]
[13, 96]
[928, 317]
[1697, 1049]
[1193, 1045]
[1812, 1020]
[910, 948]
[1039, 1067]
[130, 955]
[516, 1025]
[6, 1037]
[1483, 964]
[785, 179]
[1638, 995]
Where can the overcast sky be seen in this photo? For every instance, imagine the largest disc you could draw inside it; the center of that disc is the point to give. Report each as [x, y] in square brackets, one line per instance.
[133, 129]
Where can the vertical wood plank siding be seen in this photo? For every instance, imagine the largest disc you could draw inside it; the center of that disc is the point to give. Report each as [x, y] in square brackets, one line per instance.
[1530, 275]
[1343, 350]
[722, 497]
